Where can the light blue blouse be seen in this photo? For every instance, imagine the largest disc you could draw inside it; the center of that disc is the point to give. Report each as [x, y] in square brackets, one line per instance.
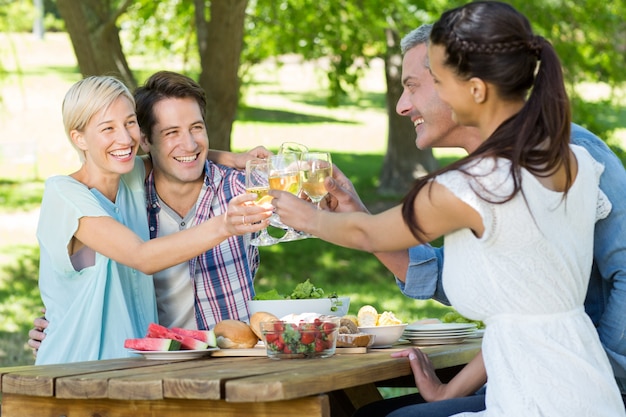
[91, 311]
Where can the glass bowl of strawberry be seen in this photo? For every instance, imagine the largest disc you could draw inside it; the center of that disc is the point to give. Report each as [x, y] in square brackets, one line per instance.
[306, 335]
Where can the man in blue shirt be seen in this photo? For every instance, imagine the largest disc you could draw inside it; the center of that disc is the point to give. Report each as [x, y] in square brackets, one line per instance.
[418, 270]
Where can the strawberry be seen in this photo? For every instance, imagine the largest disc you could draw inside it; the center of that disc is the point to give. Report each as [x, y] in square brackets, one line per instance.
[319, 345]
[307, 338]
[271, 337]
[328, 328]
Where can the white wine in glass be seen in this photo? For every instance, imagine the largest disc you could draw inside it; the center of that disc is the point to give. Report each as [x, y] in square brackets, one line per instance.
[257, 181]
[315, 167]
[285, 176]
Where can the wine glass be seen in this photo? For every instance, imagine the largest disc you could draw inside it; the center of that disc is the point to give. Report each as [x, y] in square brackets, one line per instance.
[285, 176]
[298, 149]
[257, 181]
[292, 147]
[314, 168]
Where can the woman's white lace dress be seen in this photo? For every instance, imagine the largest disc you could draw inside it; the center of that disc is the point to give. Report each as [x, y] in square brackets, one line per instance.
[526, 278]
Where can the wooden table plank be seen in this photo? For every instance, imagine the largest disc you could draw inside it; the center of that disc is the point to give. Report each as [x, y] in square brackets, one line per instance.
[261, 351]
[99, 384]
[348, 371]
[311, 377]
[227, 386]
[26, 406]
[204, 380]
[39, 381]
[200, 383]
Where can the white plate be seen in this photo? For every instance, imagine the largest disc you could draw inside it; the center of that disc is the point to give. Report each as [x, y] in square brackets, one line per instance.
[440, 327]
[450, 333]
[434, 334]
[430, 342]
[173, 355]
[477, 334]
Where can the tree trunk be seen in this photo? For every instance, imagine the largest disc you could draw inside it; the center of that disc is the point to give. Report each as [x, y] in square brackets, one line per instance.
[403, 162]
[220, 41]
[92, 27]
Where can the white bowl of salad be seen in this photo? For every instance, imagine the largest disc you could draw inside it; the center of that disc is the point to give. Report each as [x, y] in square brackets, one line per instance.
[305, 298]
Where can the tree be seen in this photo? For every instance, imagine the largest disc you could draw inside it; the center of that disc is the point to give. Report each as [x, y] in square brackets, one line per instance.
[94, 31]
[349, 33]
[220, 41]
[92, 26]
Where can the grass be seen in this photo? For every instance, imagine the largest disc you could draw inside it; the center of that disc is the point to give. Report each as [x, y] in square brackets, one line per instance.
[20, 302]
[20, 195]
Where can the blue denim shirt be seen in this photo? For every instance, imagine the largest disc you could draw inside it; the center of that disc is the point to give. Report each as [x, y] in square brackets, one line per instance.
[606, 295]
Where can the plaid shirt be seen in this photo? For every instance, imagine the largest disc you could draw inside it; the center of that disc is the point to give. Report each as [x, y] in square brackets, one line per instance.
[223, 283]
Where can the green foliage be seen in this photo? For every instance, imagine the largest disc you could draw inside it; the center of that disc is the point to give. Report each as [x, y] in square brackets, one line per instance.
[162, 30]
[589, 36]
[20, 195]
[346, 34]
[20, 303]
[16, 16]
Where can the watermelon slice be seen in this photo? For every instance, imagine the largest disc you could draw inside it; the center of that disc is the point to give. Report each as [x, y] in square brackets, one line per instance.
[186, 342]
[206, 336]
[152, 344]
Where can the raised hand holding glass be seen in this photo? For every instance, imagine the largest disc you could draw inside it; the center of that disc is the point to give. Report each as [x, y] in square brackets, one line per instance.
[257, 181]
[285, 176]
[315, 167]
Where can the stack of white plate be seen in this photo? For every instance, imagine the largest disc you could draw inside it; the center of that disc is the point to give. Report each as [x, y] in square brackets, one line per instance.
[438, 333]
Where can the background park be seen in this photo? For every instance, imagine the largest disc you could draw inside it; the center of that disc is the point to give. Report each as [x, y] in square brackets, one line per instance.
[325, 73]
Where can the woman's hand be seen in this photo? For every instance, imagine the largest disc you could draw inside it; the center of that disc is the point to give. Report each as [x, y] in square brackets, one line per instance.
[243, 216]
[294, 211]
[430, 386]
[341, 197]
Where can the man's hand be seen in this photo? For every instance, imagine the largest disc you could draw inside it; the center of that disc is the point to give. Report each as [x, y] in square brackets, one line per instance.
[36, 334]
[342, 197]
[238, 160]
[260, 152]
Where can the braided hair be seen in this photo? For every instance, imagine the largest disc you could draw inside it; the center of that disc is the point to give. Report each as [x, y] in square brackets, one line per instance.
[492, 41]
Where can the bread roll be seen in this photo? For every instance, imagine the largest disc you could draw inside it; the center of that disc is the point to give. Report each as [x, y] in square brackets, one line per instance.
[347, 326]
[234, 334]
[260, 317]
[355, 340]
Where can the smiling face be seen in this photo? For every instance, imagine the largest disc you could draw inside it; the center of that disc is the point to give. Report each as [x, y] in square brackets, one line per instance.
[179, 141]
[110, 139]
[419, 101]
[455, 92]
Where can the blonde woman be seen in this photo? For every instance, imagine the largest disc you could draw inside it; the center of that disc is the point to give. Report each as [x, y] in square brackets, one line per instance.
[96, 254]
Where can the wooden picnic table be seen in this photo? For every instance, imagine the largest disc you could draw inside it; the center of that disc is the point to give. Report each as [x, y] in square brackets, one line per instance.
[213, 386]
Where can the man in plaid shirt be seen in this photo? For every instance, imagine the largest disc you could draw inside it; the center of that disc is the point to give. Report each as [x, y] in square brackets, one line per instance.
[183, 189]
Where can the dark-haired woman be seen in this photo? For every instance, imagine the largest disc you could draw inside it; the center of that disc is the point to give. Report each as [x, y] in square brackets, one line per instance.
[517, 214]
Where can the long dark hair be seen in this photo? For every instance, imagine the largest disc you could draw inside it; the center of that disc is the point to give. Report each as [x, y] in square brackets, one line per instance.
[494, 42]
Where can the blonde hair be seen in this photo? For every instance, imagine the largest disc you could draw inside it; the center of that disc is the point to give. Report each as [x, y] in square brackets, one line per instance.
[86, 98]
